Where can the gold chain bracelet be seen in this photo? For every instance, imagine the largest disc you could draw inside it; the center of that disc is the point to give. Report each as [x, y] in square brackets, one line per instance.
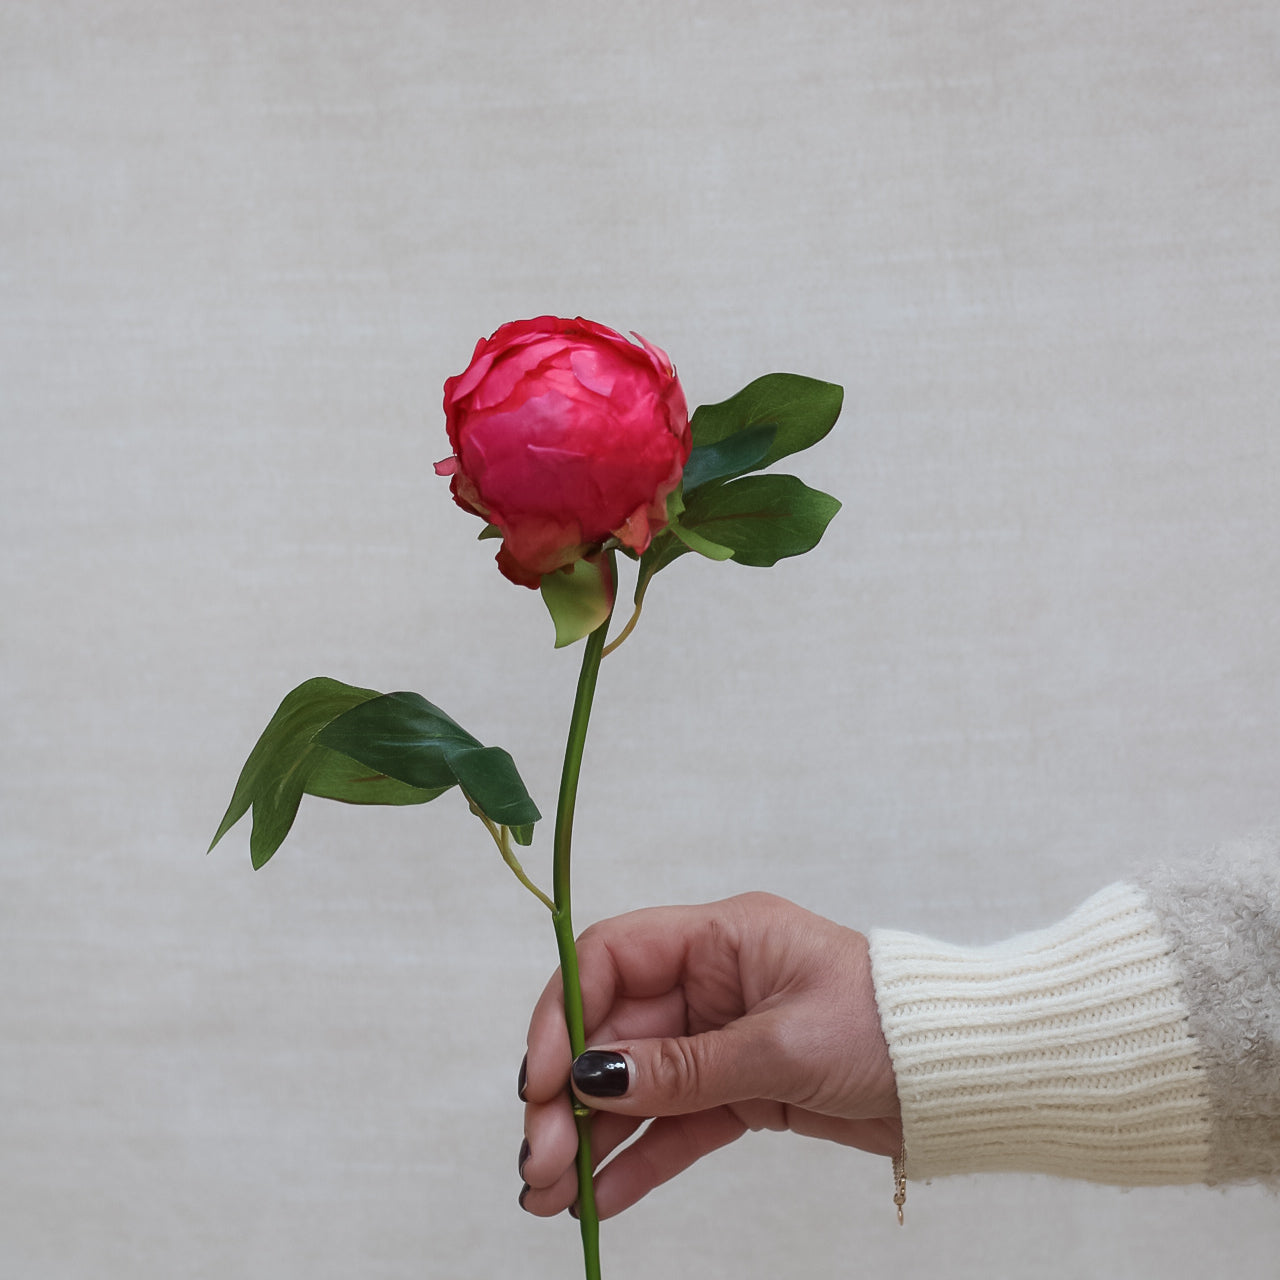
[900, 1178]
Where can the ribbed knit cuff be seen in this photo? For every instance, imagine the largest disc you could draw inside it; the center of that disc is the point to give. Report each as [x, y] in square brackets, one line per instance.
[1064, 1051]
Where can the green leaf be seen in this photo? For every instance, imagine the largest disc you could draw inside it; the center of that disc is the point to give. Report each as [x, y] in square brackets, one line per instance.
[579, 598]
[802, 410]
[341, 742]
[404, 736]
[768, 419]
[401, 735]
[703, 546]
[338, 777]
[763, 519]
[287, 762]
[735, 455]
[489, 778]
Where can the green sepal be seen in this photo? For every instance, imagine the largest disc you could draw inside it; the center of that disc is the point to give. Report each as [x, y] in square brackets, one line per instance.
[762, 519]
[579, 597]
[664, 549]
[489, 531]
[801, 409]
[287, 762]
[734, 455]
[406, 737]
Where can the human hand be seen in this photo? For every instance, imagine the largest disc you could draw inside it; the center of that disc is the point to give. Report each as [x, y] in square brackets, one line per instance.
[750, 1013]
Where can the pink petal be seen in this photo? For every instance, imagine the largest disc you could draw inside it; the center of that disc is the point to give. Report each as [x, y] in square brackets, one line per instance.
[588, 368]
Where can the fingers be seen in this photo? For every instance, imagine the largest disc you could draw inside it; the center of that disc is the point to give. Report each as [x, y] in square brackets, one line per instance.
[550, 1175]
[672, 1144]
[667, 1147]
[549, 1126]
[639, 957]
[547, 1061]
[546, 1082]
[552, 1140]
[682, 1074]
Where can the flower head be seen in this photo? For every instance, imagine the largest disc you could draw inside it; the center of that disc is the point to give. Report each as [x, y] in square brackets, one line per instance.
[565, 434]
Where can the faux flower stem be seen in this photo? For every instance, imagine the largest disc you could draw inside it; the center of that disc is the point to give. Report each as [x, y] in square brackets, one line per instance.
[631, 622]
[562, 920]
[502, 838]
[509, 857]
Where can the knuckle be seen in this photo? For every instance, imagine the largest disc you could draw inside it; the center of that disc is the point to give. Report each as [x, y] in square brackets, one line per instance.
[759, 900]
[758, 908]
[676, 1069]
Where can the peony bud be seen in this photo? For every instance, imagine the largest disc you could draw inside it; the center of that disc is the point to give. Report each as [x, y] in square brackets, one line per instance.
[565, 435]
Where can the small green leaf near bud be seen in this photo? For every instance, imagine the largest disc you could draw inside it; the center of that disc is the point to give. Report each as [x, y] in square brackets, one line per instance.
[762, 519]
[802, 409]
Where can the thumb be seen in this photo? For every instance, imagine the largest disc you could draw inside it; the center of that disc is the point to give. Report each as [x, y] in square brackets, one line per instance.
[677, 1075]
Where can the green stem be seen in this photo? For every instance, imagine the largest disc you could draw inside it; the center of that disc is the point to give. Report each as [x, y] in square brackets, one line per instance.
[635, 616]
[502, 838]
[509, 857]
[562, 919]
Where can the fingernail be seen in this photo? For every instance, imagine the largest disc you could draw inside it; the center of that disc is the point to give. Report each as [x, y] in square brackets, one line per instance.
[523, 1082]
[524, 1155]
[573, 1210]
[524, 1191]
[601, 1073]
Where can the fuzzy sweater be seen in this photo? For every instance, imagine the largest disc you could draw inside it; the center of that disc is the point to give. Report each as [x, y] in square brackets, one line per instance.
[1135, 1042]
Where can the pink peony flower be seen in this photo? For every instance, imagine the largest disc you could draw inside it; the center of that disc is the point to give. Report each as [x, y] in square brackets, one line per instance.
[565, 434]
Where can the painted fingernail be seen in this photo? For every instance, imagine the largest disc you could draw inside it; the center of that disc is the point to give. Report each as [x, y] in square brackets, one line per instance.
[524, 1155]
[573, 1210]
[601, 1073]
[523, 1082]
[524, 1191]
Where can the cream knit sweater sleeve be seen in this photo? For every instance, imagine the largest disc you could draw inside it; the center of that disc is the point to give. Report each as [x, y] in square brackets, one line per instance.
[1135, 1042]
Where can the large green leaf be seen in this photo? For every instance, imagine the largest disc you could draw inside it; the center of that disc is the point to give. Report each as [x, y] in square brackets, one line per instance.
[341, 742]
[338, 777]
[762, 519]
[287, 762]
[401, 735]
[734, 455]
[404, 736]
[801, 409]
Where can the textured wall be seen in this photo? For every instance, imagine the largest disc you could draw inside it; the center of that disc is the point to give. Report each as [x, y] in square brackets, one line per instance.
[242, 245]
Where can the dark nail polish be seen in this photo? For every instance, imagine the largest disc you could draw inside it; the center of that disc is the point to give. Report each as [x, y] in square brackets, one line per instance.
[523, 1082]
[573, 1210]
[524, 1191]
[601, 1073]
[524, 1155]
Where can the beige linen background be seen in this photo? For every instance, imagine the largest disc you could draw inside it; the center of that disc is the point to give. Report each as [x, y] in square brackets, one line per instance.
[242, 245]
